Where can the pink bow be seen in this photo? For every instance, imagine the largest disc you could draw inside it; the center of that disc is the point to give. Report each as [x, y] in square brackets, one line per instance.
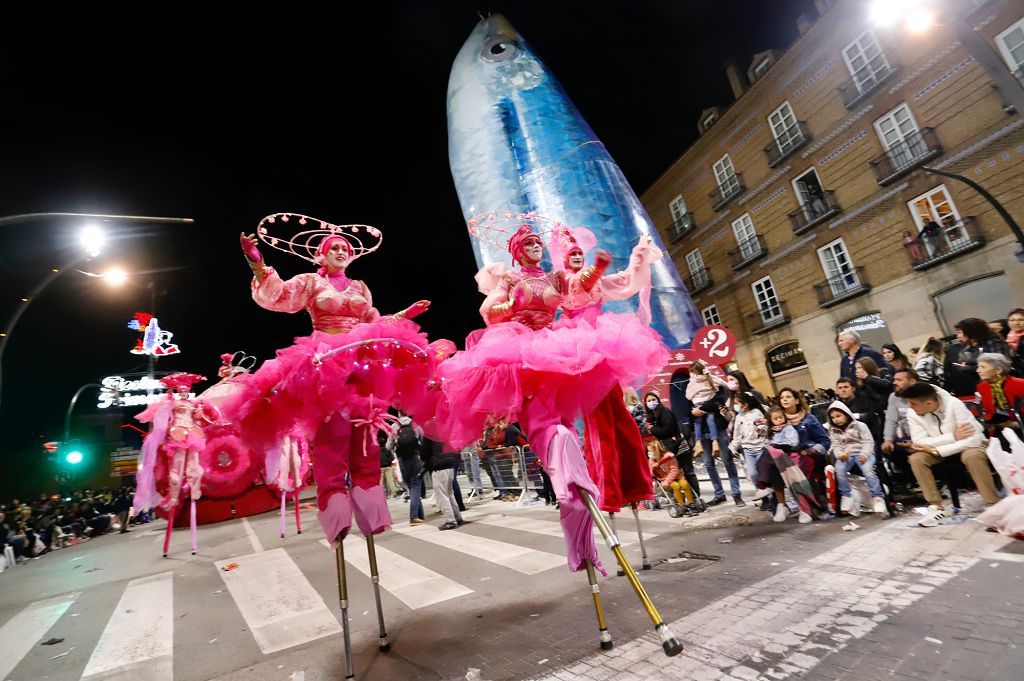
[377, 419]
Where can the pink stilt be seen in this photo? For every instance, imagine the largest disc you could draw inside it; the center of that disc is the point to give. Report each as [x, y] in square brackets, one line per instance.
[192, 523]
[298, 516]
[170, 525]
[284, 500]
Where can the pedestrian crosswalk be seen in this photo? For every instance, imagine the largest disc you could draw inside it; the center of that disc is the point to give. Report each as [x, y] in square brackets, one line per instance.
[280, 598]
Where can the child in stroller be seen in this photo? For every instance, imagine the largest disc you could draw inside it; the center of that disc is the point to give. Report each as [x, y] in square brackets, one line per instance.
[665, 472]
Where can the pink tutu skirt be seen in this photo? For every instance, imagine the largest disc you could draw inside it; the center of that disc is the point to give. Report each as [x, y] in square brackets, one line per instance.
[570, 366]
[383, 363]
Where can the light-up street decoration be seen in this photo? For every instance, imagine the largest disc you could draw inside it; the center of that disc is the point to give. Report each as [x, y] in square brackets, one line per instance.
[155, 341]
[118, 391]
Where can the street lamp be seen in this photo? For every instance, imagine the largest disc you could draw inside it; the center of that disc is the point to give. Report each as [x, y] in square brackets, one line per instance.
[91, 238]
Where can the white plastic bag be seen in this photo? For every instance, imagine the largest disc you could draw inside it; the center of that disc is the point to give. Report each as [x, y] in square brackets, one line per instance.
[1011, 474]
[1007, 516]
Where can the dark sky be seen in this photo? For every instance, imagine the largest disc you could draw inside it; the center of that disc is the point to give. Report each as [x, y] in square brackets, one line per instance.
[228, 113]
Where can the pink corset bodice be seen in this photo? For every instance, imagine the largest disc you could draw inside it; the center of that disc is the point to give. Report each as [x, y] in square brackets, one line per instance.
[537, 294]
[332, 310]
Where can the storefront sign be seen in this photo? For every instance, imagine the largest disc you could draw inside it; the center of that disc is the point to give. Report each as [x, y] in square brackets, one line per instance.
[124, 461]
[118, 391]
[785, 357]
[871, 327]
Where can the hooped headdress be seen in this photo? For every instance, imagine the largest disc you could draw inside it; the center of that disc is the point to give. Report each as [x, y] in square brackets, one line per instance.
[500, 227]
[312, 236]
[237, 363]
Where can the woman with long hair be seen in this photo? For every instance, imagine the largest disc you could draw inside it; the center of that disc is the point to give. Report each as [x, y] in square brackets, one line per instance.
[929, 364]
[814, 442]
[894, 356]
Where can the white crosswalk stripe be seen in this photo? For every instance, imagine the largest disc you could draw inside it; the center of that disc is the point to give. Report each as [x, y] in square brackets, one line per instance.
[23, 631]
[518, 558]
[406, 580]
[138, 640]
[280, 606]
[551, 528]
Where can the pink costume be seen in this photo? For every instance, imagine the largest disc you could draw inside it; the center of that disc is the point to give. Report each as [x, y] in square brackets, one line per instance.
[178, 434]
[613, 444]
[525, 367]
[228, 465]
[338, 401]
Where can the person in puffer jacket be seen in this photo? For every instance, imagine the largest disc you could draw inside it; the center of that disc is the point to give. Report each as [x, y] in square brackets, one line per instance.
[853, 447]
[665, 468]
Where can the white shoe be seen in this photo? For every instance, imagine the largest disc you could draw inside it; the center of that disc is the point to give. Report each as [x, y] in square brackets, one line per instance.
[879, 505]
[762, 493]
[781, 513]
[846, 505]
[804, 518]
[935, 514]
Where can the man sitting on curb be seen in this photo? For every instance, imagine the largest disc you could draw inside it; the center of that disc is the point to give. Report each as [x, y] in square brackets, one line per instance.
[941, 426]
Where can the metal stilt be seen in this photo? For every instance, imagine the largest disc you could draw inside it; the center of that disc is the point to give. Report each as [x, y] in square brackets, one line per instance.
[382, 640]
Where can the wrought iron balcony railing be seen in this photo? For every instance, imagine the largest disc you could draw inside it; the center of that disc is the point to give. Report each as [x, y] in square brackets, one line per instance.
[840, 287]
[791, 139]
[867, 81]
[912, 151]
[951, 239]
[727, 191]
[699, 280]
[768, 317]
[814, 212]
[748, 251]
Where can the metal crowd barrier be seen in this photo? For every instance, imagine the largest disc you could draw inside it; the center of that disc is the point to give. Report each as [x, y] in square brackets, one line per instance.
[511, 471]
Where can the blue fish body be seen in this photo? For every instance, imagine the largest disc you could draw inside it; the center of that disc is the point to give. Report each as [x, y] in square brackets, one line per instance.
[516, 142]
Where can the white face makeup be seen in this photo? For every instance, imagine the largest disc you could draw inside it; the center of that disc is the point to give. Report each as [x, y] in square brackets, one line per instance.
[337, 257]
[575, 262]
[533, 250]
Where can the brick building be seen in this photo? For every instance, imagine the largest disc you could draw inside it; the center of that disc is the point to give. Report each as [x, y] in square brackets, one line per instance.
[789, 217]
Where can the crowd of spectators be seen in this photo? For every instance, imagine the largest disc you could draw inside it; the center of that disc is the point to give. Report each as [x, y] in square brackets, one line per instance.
[51, 522]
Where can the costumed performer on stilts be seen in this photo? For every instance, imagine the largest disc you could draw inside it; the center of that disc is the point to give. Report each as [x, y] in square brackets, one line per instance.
[526, 367]
[334, 387]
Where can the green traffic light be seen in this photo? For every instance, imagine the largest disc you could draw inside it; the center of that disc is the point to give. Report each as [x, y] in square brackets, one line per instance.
[74, 457]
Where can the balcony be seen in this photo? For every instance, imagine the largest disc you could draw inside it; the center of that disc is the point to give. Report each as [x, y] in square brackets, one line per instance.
[953, 239]
[768, 317]
[791, 139]
[727, 191]
[749, 250]
[814, 212]
[681, 226]
[914, 150]
[699, 281]
[842, 287]
[871, 78]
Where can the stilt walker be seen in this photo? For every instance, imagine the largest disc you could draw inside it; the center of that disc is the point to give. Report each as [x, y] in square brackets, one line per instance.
[528, 368]
[178, 437]
[332, 389]
[645, 563]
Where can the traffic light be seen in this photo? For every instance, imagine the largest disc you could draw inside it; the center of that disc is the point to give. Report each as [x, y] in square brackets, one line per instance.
[74, 457]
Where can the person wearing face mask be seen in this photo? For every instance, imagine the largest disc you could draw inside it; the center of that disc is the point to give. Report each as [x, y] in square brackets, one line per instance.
[663, 425]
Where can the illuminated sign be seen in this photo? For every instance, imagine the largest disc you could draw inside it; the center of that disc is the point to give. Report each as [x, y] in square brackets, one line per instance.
[118, 391]
[124, 461]
[155, 341]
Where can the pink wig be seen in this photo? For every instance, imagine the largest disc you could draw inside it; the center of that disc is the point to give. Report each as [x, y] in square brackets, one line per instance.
[518, 240]
[325, 245]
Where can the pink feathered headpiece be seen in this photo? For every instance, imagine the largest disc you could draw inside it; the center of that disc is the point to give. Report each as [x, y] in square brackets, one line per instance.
[518, 240]
[181, 380]
[567, 241]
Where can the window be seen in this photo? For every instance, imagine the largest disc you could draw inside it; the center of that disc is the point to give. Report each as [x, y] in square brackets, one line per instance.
[900, 136]
[1011, 45]
[785, 129]
[767, 302]
[839, 269]
[725, 176]
[936, 206]
[710, 314]
[697, 270]
[746, 238]
[762, 67]
[680, 218]
[866, 61]
[810, 195]
[708, 121]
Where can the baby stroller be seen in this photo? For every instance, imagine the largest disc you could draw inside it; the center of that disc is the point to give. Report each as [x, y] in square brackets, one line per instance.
[664, 498]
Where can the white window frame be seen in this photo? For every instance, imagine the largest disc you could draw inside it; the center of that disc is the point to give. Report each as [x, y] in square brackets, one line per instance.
[763, 67]
[677, 207]
[708, 121]
[843, 279]
[865, 83]
[790, 136]
[746, 236]
[953, 234]
[710, 315]
[1004, 50]
[692, 259]
[725, 176]
[810, 212]
[901, 152]
[772, 309]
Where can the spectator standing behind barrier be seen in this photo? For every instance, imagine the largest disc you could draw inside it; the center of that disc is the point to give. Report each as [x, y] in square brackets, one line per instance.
[852, 349]
[1002, 395]
[940, 427]
[441, 465]
[407, 443]
[120, 506]
[976, 338]
[853, 447]
[929, 363]
[1015, 340]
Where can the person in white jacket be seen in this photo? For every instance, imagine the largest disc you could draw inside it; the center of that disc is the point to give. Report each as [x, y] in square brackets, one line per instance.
[941, 426]
[853, 447]
[749, 432]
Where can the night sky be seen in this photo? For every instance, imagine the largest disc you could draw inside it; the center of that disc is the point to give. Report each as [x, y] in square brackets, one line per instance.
[227, 113]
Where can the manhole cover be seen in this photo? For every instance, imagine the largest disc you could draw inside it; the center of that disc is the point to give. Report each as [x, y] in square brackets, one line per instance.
[687, 560]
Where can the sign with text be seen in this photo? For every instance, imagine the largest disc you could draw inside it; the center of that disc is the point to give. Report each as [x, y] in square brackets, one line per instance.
[124, 461]
[714, 345]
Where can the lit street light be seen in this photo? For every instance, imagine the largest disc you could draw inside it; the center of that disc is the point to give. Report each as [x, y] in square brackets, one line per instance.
[115, 276]
[92, 239]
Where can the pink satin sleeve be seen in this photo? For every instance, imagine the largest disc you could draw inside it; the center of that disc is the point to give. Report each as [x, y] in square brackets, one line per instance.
[635, 279]
[277, 295]
[499, 294]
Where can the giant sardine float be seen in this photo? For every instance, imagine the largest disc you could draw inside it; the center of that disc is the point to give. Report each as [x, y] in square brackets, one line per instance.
[516, 142]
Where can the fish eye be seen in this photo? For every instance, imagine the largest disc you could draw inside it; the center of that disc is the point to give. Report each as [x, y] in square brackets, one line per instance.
[500, 48]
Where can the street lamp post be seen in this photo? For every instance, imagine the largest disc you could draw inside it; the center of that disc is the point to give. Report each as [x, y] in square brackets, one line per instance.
[5, 335]
[64, 444]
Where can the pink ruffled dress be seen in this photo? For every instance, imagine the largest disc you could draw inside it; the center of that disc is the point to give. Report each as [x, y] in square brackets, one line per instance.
[337, 402]
[543, 374]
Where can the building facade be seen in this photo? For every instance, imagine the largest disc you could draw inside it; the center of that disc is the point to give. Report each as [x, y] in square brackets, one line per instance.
[804, 209]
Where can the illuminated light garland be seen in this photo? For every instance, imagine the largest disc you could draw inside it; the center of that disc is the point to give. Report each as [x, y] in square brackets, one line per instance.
[304, 244]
